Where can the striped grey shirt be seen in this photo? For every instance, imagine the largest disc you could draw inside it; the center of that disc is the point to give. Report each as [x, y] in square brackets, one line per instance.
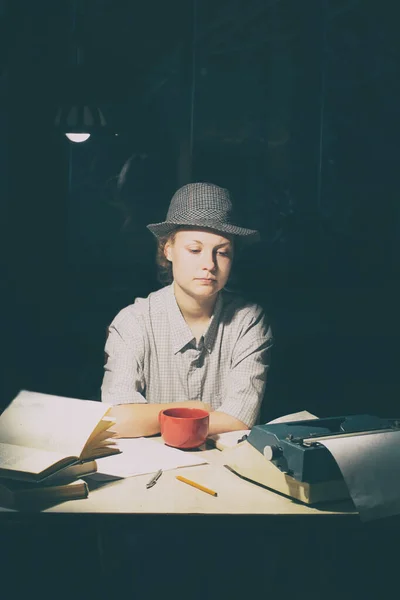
[152, 355]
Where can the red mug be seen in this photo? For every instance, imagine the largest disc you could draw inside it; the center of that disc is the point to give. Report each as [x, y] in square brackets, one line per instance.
[184, 427]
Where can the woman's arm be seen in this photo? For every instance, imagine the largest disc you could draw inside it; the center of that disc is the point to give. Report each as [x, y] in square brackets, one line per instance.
[123, 381]
[139, 420]
[247, 378]
[124, 384]
[221, 422]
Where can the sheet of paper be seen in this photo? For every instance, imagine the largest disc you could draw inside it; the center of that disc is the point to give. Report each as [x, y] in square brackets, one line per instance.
[370, 465]
[303, 415]
[141, 456]
[229, 439]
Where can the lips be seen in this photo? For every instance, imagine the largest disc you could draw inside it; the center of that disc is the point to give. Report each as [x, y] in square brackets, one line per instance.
[205, 279]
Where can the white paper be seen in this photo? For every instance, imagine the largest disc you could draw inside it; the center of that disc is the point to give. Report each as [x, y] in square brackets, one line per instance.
[229, 439]
[303, 415]
[370, 465]
[141, 456]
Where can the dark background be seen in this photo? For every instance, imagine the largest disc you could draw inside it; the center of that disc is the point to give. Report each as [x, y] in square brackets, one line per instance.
[291, 105]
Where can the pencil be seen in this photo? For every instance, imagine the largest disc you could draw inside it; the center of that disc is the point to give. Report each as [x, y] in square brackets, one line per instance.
[197, 485]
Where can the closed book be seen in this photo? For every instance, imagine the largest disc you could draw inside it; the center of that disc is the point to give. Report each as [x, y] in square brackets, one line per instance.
[41, 434]
[22, 495]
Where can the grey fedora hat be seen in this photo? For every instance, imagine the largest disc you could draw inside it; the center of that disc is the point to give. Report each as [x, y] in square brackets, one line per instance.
[202, 205]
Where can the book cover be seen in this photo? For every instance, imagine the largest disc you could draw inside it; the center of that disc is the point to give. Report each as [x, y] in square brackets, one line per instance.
[21, 495]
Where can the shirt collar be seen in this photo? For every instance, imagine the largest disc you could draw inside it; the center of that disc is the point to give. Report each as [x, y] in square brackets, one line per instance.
[181, 334]
[211, 333]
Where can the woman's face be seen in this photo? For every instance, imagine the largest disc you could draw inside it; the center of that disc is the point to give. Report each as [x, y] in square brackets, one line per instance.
[201, 261]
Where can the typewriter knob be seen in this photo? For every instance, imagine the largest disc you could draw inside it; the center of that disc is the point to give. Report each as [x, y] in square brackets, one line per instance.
[272, 452]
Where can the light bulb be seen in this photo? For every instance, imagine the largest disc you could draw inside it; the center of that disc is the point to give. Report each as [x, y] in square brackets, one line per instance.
[78, 137]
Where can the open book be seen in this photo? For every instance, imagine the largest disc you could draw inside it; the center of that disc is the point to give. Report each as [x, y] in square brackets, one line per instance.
[41, 434]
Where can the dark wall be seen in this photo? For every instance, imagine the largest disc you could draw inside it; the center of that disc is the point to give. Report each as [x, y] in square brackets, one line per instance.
[302, 129]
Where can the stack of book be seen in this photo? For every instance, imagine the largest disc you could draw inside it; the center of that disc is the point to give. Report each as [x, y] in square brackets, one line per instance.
[47, 445]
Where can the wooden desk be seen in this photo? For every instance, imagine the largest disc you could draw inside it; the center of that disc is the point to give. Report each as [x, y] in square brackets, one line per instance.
[236, 496]
[248, 532]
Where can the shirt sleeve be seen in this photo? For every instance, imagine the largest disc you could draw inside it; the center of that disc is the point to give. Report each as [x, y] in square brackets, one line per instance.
[123, 381]
[250, 361]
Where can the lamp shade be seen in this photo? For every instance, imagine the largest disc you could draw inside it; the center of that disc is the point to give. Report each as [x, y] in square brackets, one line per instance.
[80, 119]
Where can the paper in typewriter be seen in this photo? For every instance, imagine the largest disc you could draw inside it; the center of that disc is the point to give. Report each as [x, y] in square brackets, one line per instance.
[370, 465]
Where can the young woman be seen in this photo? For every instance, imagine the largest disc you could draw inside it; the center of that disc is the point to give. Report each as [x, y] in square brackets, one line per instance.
[191, 343]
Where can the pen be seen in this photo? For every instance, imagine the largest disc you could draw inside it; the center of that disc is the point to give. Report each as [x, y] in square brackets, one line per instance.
[154, 479]
[196, 485]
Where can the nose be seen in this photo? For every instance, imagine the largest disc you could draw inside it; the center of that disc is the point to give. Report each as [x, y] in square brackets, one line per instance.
[208, 262]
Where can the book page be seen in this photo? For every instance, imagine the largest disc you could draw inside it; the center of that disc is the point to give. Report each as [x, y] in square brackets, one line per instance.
[141, 456]
[26, 460]
[52, 423]
[100, 437]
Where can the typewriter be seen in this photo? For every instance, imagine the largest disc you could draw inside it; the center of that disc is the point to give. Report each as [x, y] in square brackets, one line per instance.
[291, 459]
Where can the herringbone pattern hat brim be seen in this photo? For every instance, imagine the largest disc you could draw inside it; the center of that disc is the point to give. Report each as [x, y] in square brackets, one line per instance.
[202, 205]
